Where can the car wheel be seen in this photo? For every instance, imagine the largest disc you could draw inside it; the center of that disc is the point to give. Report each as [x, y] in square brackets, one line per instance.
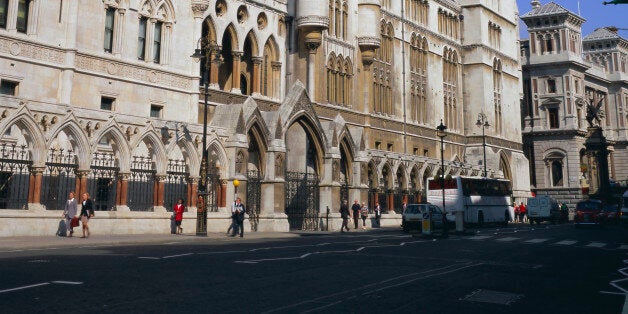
[404, 227]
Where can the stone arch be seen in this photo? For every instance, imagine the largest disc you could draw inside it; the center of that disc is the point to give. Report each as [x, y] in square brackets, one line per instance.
[250, 51]
[314, 148]
[504, 165]
[209, 30]
[189, 153]
[157, 151]
[401, 178]
[159, 9]
[270, 77]
[257, 148]
[78, 141]
[218, 157]
[229, 44]
[32, 133]
[387, 176]
[119, 144]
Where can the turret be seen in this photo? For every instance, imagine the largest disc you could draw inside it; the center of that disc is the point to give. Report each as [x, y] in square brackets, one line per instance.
[368, 34]
[312, 19]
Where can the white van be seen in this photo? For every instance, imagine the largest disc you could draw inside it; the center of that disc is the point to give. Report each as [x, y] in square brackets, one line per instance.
[624, 208]
[543, 208]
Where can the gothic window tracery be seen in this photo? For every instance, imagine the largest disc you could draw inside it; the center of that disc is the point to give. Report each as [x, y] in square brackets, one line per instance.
[155, 23]
[450, 88]
[497, 95]
[418, 75]
[382, 68]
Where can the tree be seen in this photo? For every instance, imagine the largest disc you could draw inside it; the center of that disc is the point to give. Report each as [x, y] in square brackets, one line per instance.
[615, 2]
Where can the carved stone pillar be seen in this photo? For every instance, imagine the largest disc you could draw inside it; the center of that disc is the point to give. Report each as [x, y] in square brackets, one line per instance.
[122, 189]
[214, 66]
[81, 182]
[311, 58]
[160, 182]
[256, 81]
[235, 75]
[34, 191]
[275, 79]
[118, 32]
[192, 191]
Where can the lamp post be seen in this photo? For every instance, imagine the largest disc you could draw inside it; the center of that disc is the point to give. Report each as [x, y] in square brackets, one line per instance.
[203, 51]
[483, 124]
[440, 132]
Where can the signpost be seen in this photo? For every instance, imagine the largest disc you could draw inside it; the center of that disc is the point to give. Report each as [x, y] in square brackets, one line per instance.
[427, 223]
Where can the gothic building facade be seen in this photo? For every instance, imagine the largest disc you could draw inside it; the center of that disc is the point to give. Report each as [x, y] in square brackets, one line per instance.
[563, 74]
[306, 102]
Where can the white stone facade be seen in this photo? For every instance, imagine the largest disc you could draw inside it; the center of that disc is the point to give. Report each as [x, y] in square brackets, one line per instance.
[309, 102]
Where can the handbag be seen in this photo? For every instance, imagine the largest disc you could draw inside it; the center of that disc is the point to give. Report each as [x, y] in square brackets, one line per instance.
[74, 222]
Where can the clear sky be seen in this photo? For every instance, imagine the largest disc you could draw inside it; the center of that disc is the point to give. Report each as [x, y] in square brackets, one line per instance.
[596, 14]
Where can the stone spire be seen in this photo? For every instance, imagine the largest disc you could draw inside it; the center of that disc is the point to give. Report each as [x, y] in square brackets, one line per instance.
[535, 4]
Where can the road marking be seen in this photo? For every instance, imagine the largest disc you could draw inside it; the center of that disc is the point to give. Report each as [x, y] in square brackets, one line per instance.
[596, 244]
[178, 255]
[566, 242]
[68, 282]
[25, 287]
[624, 247]
[536, 241]
[148, 257]
[625, 310]
[479, 237]
[507, 239]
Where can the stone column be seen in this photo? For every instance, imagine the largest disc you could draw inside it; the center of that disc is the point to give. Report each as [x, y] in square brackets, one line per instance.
[311, 59]
[256, 81]
[118, 32]
[214, 66]
[81, 182]
[275, 79]
[192, 191]
[235, 75]
[160, 181]
[34, 191]
[122, 192]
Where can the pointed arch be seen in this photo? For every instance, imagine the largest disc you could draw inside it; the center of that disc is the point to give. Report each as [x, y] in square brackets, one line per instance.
[229, 45]
[120, 146]
[257, 147]
[208, 30]
[31, 132]
[270, 76]
[504, 165]
[78, 140]
[157, 153]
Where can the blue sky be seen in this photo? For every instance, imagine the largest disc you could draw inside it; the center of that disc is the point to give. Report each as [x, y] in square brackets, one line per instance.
[596, 14]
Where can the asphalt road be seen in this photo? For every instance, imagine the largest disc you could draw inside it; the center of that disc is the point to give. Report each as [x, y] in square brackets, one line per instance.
[520, 269]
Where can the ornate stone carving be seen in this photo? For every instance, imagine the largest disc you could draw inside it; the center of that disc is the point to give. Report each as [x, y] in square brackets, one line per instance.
[199, 7]
[32, 51]
[313, 20]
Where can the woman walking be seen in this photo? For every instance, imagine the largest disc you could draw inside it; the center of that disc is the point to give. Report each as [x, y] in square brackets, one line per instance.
[87, 212]
[178, 215]
[364, 213]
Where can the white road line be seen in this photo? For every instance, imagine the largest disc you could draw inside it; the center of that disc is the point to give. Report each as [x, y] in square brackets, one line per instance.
[178, 255]
[624, 247]
[566, 242]
[596, 244]
[68, 282]
[25, 287]
[507, 239]
[536, 241]
[148, 257]
[479, 237]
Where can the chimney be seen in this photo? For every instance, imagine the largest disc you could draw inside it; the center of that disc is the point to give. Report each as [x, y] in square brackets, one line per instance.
[535, 4]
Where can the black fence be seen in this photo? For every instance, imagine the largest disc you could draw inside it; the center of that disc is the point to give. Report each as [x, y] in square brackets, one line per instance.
[15, 166]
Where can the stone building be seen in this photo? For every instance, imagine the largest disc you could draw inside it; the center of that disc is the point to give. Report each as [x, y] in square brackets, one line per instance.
[308, 102]
[564, 73]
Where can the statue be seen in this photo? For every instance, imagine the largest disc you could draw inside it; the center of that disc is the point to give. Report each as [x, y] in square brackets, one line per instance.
[595, 113]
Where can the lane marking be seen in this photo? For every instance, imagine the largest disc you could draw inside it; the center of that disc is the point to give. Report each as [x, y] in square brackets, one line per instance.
[148, 257]
[536, 240]
[507, 239]
[25, 287]
[68, 282]
[596, 244]
[624, 247]
[479, 237]
[178, 255]
[566, 242]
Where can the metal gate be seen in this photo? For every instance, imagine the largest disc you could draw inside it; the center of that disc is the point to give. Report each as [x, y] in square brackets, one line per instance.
[176, 185]
[398, 200]
[14, 176]
[103, 181]
[213, 188]
[383, 201]
[59, 178]
[141, 184]
[253, 197]
[412, 196]
[302, 201]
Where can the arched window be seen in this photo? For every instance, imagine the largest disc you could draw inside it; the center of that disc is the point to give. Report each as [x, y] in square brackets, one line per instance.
[154, 31]
[450, 88]
[271, 69]
[555, 168]
[382, 67]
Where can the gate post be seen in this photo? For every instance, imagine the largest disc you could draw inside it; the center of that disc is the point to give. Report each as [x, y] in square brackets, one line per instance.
[81, 182]
[192, 191]
[34, 192]
[122, 191]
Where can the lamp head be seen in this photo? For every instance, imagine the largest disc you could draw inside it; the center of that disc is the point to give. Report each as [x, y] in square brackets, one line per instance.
[198, 55]
[440, 130]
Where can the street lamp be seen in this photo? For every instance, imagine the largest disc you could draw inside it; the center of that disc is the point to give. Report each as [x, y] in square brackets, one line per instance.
[203, 51]
[483, 124]
[440, 132]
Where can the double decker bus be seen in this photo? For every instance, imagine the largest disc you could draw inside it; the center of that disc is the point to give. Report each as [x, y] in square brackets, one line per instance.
[482, 200]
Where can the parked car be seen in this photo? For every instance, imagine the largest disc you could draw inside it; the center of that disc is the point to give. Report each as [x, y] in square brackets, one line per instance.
[412, 217]
[587, 212]
[543, 208]
[624, 209]
[610, 214]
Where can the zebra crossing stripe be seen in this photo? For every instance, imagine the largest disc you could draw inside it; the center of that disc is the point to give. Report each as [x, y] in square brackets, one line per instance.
[536, 241]
[596, 244]
[479, 237]
[566, 242]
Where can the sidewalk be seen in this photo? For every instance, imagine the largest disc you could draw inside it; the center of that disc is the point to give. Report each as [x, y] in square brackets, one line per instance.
[56, 242]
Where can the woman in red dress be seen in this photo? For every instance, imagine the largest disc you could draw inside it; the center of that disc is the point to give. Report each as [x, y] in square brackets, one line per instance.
[178, 215]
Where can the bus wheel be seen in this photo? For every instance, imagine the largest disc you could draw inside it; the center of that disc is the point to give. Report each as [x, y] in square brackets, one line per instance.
[480, 219]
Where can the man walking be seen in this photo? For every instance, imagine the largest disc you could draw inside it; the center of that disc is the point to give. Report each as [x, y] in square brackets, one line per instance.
[344, 213]
[355, 208]
[70, 212]
[237, 217]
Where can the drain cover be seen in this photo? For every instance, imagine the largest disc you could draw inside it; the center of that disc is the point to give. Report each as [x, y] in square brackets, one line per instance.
[490, 296]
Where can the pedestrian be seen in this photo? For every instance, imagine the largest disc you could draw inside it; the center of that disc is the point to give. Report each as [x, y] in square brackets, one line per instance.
[178, 210]
[564, 212]
[237, 211]
[517, 213]
[87, 212]
[378, 214]
[344, 214]
[523, 212]
[403, 206]
[70, 213]
[355, 208]
[364, 213]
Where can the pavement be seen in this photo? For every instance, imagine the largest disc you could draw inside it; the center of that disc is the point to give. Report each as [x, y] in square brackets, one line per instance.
[52, 242]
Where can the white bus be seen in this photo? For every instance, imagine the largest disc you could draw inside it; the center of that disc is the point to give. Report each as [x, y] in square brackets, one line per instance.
[482, 200]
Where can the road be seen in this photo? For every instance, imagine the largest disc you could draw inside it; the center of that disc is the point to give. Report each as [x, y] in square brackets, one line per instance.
[519, 269]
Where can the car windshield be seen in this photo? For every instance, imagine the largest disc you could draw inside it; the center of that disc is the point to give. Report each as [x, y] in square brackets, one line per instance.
[412, 209]
[588, 206]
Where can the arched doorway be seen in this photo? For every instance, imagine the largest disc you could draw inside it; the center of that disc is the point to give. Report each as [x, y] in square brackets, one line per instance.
[345, 166]
[226, 76]
[302, 168]
[254, 177]
[504, 167]
[373, 185]
[398, 192]
[413, 187]
[385, 198]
